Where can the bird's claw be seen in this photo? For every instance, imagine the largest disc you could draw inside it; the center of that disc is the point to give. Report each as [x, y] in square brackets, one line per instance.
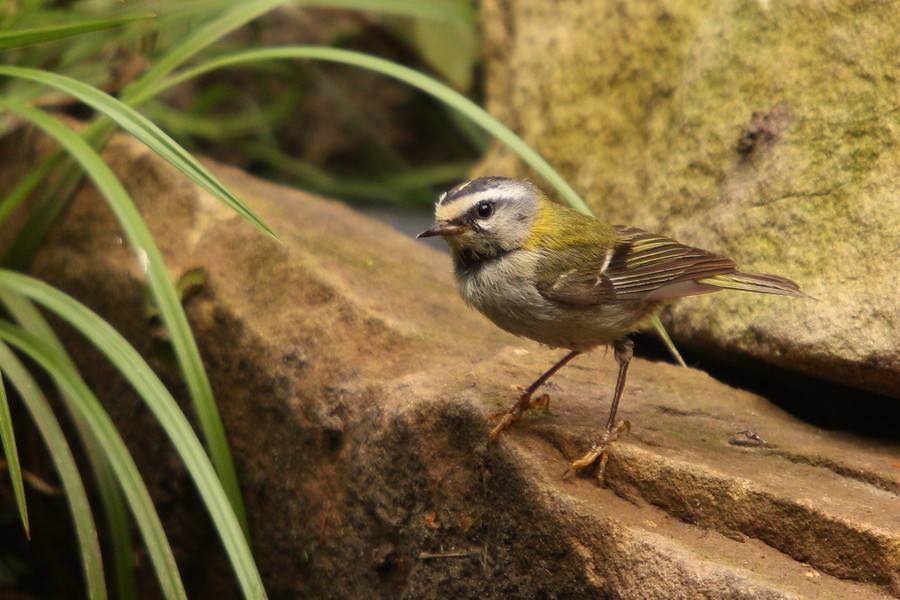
[505, 418]
[599, 452]
[504, 421]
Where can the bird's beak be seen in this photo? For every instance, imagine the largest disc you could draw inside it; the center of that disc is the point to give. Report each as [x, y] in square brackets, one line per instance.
[444, 228]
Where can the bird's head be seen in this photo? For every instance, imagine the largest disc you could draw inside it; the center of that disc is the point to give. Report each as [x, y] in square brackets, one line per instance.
[485, 217]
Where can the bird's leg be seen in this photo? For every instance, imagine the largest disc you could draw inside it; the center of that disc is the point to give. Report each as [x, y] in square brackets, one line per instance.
[623, 350]
[525, 402]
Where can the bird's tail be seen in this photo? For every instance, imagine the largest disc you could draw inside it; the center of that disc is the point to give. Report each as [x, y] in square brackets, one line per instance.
[753, 282]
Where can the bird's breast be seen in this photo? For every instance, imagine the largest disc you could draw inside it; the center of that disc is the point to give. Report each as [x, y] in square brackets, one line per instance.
[504, 291]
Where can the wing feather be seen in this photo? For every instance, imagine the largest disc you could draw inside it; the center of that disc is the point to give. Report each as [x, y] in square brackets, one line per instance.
[642, 267]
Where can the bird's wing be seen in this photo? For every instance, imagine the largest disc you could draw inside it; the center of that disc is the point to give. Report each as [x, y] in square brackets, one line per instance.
[641, 267]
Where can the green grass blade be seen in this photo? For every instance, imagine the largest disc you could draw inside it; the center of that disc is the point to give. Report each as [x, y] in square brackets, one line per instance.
[450, 97]
[253, 120]
[118, 524]
[44, 213]
[11, 452]
[248, 10]
[27, 315]
[147, 85]
[433, 10]
[670, 345]
[119, 459]
[20, 192]
[115, 511]
[430, 86]
[390, 188]
[203, 36]
[162, 289]
[64, 462]
[143, 129]
[164, 407]
[30, 37]
[418, 80]
[136, 93]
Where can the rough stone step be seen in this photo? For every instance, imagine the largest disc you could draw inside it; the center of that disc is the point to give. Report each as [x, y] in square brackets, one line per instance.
[354, 385]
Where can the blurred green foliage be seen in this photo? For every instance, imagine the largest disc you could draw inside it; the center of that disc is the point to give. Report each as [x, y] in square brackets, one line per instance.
[76, 58]
[333, 130]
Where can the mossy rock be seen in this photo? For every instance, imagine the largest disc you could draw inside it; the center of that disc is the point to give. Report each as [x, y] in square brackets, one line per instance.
[768, 132]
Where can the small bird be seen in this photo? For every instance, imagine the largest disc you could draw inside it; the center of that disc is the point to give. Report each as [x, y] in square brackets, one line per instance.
[549, 273]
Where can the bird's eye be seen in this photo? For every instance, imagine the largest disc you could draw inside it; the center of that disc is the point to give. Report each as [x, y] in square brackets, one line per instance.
[484, 210]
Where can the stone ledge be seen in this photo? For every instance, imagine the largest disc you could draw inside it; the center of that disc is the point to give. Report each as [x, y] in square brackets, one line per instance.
[354, 384]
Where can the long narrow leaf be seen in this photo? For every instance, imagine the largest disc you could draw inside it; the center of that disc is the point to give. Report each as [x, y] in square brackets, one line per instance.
[385, 189]
[11, 452]
[133, 95]
[143, 89]
[143, 129]
[449, 96]
[61, 455]
[418, 80]
[45, 212]
[30, 37]
[20, 192]
[115, 507]
[161, 403]
[670, 345]
[203, 36]
[248, 10]
[161, 287]
[118, 523]
[116, 452]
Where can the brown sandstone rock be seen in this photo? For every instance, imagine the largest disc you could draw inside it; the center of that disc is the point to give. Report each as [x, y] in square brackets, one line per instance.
[765, 131]
[354, 386]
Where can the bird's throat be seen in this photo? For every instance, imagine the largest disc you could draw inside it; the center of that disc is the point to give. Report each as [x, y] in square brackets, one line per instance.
[467, 258]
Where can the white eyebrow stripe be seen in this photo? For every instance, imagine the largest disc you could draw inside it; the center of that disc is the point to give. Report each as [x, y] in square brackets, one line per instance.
[496, 193]
[495, 187]
[460, 205]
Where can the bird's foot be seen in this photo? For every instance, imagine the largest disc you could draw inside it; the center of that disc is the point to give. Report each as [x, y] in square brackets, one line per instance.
[599, 452]
[505, 418]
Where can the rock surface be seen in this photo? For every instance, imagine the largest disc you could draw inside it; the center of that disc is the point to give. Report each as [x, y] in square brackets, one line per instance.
[354, 386]
[765, 131]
